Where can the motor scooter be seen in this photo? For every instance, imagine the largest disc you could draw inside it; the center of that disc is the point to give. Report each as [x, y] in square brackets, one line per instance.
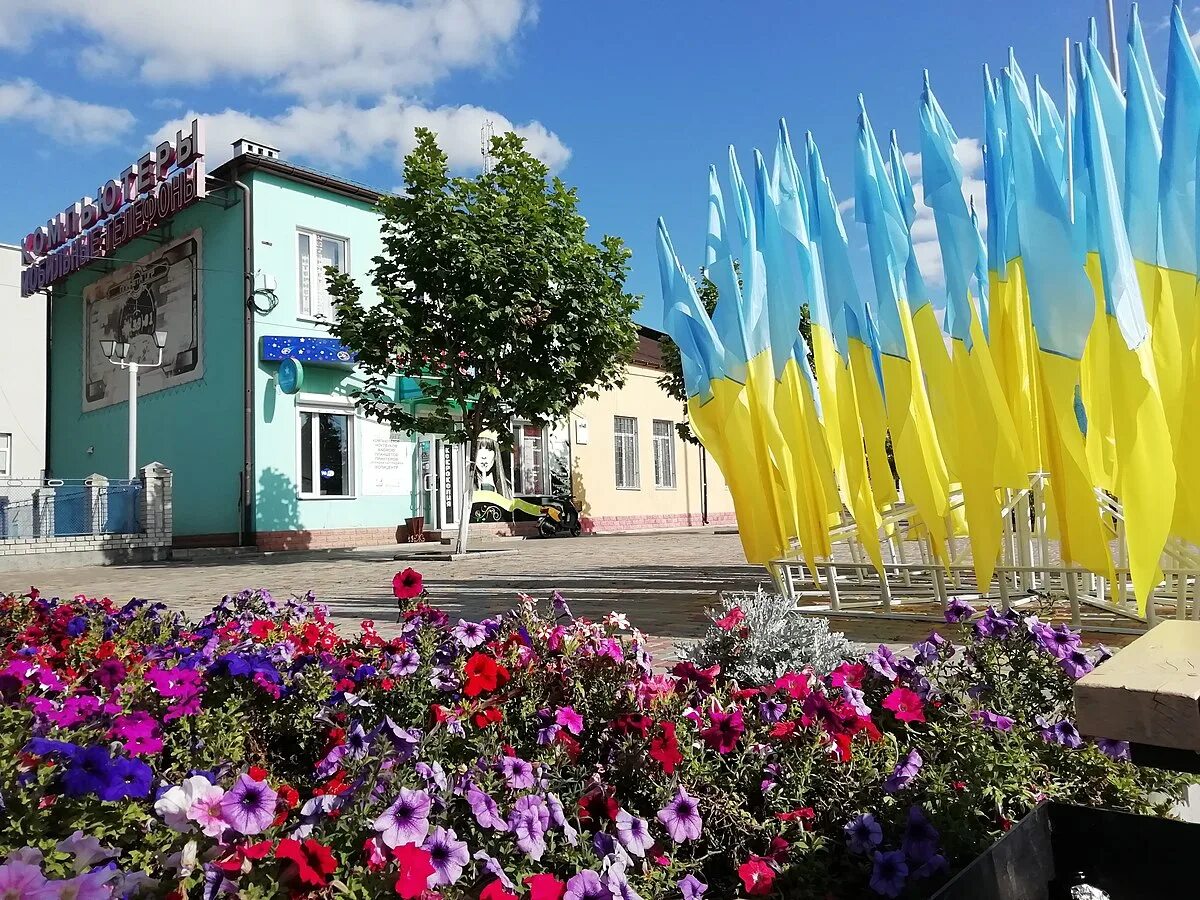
[559, 515]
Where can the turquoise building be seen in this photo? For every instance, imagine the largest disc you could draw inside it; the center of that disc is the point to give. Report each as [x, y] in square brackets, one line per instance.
[255, 461]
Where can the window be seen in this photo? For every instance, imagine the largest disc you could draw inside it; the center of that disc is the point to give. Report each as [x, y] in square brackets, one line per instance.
[325, 454]
[5, 454]
[625, 451]
[664, 453]
[317, 251]
[529, 464]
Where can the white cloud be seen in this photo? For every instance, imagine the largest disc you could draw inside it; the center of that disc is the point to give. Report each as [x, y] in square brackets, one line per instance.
[969, 153]
[61, 118]
[348, 136]
[348, 48]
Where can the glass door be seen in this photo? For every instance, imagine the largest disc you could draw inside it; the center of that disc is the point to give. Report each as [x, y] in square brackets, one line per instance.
[427, 479]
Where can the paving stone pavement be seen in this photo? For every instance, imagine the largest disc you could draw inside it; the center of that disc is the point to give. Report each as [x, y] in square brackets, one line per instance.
[662, 581]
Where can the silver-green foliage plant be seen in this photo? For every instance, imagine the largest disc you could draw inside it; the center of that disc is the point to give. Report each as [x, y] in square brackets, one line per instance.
[757, 637]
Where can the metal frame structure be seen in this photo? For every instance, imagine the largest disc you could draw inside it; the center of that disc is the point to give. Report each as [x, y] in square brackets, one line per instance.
[918, 581]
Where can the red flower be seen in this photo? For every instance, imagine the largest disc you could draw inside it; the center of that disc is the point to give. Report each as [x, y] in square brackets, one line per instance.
[312, 859]
[496, 891]
[241, 853]
[488, 716]
[804, 815]
[687, 672]
[757, 876]
[288, 796]
[597, 807]
[545, 887]
[631, 722]
[906, 704]
[731, 619]
[722, 735]
[784, 729]
[665, 749]
[261, 628]
[408, 584]
[959, 785]
[571, 745]
[779, 850]
[484, 674]
[415, 869]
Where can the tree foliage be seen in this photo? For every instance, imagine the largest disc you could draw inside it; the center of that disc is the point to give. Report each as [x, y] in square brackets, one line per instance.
[490, 294]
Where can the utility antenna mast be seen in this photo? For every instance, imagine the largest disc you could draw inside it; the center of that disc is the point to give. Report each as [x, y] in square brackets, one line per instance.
[486, 133]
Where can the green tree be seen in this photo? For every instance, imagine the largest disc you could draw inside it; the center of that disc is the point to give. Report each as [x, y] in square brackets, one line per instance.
[491, 295]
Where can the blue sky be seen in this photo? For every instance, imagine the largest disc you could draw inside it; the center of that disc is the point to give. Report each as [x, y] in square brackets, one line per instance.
[630, 100]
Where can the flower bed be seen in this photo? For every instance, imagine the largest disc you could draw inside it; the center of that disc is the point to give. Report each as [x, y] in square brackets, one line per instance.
[259, 753]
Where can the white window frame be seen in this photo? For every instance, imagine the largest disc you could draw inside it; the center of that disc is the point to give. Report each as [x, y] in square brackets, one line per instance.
[635, 455]
[304, 310]
[666, 441]
[6, 455]
[330, 406]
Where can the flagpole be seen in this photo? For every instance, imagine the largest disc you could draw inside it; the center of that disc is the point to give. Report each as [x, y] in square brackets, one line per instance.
[1069, 129]
[1112, 45]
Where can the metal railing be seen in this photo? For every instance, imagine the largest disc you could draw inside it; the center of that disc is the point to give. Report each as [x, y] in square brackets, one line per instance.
[32, 508]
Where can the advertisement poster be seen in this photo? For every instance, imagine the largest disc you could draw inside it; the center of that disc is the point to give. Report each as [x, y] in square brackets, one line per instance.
[159, 292]
[387, 459]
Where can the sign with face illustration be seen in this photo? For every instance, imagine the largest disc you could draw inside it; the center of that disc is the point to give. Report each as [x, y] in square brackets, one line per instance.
[159, 292]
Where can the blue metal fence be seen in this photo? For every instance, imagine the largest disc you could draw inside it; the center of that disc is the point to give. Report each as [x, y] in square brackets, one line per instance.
[32, 508]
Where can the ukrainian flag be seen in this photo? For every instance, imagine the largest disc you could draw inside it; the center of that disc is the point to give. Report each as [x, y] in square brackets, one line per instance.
[915, 445]
[1062, 307]
[987, 456]
[1145, 471]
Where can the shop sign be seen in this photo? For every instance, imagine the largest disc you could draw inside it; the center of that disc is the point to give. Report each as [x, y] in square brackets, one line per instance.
[162, 183]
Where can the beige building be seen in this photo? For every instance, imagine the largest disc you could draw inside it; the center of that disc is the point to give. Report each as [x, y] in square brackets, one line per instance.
[630, 470]
[22, 373]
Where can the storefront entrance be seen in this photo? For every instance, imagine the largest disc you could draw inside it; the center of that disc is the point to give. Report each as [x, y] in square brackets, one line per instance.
[440, 468]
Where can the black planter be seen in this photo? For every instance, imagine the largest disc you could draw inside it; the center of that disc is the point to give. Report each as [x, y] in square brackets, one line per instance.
[1130, 857]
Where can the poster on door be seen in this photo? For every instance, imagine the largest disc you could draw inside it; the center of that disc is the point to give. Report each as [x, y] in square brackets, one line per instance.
[387, 460]
[159, 292]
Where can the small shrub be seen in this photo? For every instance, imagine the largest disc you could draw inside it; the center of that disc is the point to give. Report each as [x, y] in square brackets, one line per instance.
[757, 637]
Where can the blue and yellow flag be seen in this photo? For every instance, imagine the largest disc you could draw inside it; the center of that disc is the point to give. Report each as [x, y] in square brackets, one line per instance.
[915, 445]
[987, 456]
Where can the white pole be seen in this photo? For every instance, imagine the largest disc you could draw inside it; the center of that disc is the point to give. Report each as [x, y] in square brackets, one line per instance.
[1112, 45]
[133, 398]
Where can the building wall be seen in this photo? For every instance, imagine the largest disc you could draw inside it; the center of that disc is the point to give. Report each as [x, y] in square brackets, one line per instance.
[284, 520]
[22, 369]
[194, 429]
[604, 506]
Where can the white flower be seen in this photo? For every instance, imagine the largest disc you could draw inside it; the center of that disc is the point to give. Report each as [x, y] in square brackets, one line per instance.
[617, 620]
[172, 807]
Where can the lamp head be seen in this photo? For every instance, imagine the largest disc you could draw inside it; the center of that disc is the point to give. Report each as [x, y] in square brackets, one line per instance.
[160, 339]
[106, 347]
[122, 349]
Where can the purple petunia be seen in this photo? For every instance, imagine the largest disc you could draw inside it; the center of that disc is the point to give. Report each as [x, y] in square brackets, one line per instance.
[1058, 641]
[88, 772]
[930, 649]
[405, 663]
[681, 817]
[1063, 733]
[771, 711]
[447, 854]
[906, 770]
[249, 806]
[992, 721]
[406, 821]
[486, 812]
[889, 873]
[854, 699]
[634, 833]
[863, 834]
[1115, 749]
[883, 662]
[518, 773]
[920, 841]
[558, 817]
[995, 626]
[1076, 663]
[692, 887]
[469, 634]
[586, 885]
[528, 821]
[132, 778]
[959, 610]
[23, 879]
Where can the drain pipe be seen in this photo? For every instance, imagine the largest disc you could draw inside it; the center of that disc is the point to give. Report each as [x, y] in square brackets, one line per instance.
[246, 525]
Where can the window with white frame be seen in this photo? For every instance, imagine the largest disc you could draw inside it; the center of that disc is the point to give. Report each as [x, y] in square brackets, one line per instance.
[625, 452]
[316, 252]
[5, 454]
[664, 453]
[326, 453]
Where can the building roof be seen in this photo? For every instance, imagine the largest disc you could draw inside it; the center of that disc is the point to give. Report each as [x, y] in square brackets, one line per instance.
[312, 177]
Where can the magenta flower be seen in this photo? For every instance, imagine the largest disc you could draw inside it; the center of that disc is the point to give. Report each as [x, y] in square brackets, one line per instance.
[447, 854]
[722, 735]
[175, 683]
[681, 817]
[406, 821]
[249, 806]
[569, 719]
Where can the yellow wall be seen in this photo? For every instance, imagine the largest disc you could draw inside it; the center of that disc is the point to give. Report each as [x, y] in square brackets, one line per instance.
[609, 508]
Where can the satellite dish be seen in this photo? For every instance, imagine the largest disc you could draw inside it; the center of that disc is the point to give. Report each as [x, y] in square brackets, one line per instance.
[291, 375]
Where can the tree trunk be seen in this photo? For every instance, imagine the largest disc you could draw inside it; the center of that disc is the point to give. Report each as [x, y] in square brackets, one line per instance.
[464, 515]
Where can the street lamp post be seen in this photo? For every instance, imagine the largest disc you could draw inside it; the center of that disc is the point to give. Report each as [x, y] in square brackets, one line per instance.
[120, 353]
